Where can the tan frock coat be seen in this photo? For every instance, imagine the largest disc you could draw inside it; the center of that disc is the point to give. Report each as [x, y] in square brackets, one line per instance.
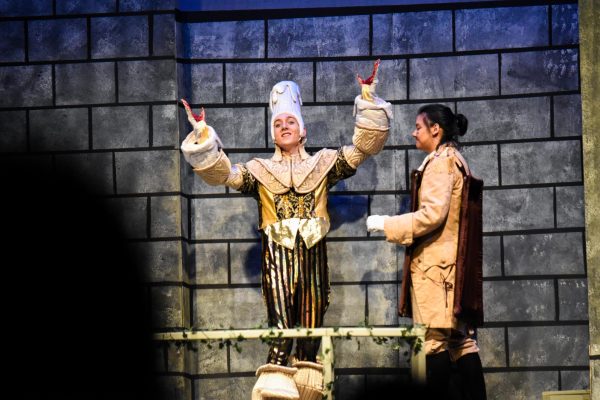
[434, 230]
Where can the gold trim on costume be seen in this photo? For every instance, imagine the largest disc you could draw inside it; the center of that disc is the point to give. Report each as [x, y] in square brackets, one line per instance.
[284, 232]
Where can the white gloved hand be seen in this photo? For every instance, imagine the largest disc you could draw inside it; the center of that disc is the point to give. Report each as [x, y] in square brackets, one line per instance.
[201, 154]
[375, 222]
[374, 115]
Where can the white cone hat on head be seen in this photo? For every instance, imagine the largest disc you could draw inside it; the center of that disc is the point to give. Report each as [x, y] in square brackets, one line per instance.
[285, 99]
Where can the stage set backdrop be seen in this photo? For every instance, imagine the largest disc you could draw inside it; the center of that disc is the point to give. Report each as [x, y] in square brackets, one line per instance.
[94, 86]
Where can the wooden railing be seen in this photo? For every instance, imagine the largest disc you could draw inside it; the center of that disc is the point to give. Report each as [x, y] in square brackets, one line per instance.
[415, 335]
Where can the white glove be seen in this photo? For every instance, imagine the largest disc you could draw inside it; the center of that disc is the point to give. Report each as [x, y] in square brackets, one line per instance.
[202, 154]
[375, 114]
[375, 222]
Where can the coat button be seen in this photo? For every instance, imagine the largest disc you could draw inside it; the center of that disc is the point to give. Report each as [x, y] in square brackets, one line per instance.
[419, 260]
[422, 278]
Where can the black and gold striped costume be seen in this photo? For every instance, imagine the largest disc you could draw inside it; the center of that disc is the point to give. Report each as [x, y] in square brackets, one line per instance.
[293, 222]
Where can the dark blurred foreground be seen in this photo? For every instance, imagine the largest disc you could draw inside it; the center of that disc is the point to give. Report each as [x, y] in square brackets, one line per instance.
[74, 316]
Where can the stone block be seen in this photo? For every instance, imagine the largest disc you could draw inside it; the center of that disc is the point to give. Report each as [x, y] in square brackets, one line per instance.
[403, 123]
[246, 262]
[201, 84]
[59, 129]
[192, 183]
[253, 354]
[170, 307]
[350, 386]
[501, 28]
[483, 162]
[94, 168]
[159, 362]
[327, 126]
[362, 261]
[234, 388]
[161, 261]
[563, 346]
[85, 6]
[218, 218]
[12, 47]
[175, 387]
[565, 24]
[412, 32]
[241, 308]
[346, 307]
[26, 86]
[517, 209]
[569, 207]
[336, 80]
[319, 37]
[57, 39]
[10, 8]
[363, 352]
[573, 299]
[521, 385]
[120, 127]
[543, 254]
[146, 5]
[506, 119]
[459, 76]
[165, 216]
[147, 81]
[86, 83]
[567, 115]
[224, 39]
[382, 300]
[238, 128]
[252, 83]
[131, 214]
[207, 263]
[164, 126]
[492, 347]
[492, 263]
[348, 215]
[147, 171]
[415, 159]
[163, 35]
[208, 360]
[383, 205]
[185, 217]
[574, 380]
[522, 300]
[175, 356]
[13, 125]
[384, 171]
[540, 71]
[545, 162]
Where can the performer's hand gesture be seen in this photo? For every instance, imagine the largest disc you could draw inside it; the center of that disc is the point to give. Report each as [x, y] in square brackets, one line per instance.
[202, 141]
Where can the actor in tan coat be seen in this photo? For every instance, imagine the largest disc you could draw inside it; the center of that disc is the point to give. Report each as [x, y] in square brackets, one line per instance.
[432, 231]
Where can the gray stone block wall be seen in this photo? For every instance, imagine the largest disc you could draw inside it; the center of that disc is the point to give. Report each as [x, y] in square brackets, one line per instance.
[101, 99]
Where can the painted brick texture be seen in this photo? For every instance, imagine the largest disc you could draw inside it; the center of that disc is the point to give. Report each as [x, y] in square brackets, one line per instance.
[92, 86]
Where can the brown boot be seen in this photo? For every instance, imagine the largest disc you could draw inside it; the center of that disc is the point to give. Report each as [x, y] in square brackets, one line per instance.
[309, 380]
[275, 382]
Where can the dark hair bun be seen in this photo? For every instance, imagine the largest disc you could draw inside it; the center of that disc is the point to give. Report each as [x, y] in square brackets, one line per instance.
[462, 123]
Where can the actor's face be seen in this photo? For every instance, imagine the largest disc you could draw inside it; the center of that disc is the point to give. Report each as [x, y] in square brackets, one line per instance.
[426, 137]
[287, 133]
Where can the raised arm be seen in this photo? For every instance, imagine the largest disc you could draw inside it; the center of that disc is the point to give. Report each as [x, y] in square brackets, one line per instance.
[372, 115]
[202, 149]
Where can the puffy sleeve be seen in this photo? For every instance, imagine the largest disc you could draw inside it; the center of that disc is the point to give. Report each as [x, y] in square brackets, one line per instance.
[341, 169]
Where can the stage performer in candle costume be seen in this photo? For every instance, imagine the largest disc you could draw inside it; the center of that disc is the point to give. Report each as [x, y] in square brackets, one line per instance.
[291, 189]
